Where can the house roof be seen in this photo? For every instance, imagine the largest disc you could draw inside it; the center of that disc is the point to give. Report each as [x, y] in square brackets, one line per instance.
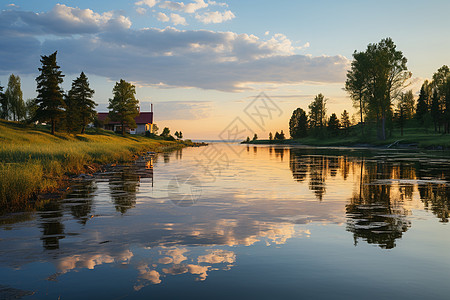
[142, 118]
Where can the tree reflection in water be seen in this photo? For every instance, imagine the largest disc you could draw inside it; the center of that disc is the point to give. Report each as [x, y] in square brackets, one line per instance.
[50, 221]
[124, 186]
[376, 212]
[373, 214]
[80, 202]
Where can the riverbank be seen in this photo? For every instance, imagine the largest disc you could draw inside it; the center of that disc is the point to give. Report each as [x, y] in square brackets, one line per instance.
[412, 140]
[33, 162]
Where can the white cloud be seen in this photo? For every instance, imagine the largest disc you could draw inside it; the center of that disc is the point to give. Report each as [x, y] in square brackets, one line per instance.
[141, 10]
[149, 3]
[162, 17]
[215, 17]
[178, 20]
[189, 8]
[214, 3]
[164, 58]
[61, 20]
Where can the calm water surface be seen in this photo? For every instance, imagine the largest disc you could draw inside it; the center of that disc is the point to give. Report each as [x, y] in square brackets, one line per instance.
[237, 222]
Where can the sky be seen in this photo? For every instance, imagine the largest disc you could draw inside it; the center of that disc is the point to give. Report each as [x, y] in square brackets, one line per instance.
[203, 63]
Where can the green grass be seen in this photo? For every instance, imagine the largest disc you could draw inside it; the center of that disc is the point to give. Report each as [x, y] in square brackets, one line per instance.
[32, 161]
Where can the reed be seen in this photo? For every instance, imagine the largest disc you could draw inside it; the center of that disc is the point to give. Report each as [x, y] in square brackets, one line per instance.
[32, 161]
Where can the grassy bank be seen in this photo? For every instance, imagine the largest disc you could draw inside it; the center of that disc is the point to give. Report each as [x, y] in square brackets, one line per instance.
[412, 136]
[32, 161]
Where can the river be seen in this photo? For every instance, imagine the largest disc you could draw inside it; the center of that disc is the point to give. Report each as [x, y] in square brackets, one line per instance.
[240, 222]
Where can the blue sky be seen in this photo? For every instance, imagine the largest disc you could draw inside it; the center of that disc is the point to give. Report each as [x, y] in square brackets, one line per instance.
[201, 62]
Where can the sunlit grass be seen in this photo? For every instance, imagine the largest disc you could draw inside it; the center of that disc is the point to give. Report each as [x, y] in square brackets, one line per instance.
[33, 161]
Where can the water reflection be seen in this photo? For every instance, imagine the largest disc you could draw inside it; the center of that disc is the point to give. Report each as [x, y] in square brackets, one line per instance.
[374, 214]
[51, 224]
[268, 198]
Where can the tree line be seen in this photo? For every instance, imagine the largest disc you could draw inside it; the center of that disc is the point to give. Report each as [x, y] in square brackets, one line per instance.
[70, 111]
[316, 122]
[376, 84]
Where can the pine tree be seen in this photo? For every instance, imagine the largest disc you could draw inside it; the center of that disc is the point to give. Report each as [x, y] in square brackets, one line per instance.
[446, 115]
[333, 123]
[298, 124]
[270, 136]
[345, 121]
[423, 102]
[435, 110]
[50, 95]
[123, 107]
[82, 108]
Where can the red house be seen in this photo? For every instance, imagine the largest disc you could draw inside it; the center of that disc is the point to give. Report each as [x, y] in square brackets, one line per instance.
[144, 122]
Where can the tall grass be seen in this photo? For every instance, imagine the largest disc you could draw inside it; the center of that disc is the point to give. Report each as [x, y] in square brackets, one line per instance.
[32, 161]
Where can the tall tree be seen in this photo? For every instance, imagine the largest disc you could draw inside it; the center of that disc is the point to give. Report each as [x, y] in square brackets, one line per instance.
[124, 107]
[435, 110]
[441, 80]
[423, 102]
[357, 84]
[409, 104]
[446, 114]
[384, 73]
[50, 95]
[82, 107]
[298, 124]
[345, 121]
[333, 124]
[317, 112]
[14, 99]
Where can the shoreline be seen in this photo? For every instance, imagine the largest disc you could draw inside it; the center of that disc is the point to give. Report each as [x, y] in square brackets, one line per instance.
[36, 166]
[390, 144]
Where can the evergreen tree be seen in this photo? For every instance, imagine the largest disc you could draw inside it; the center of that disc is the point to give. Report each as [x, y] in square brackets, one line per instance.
[446, 115]
[255, 137]
[333, 124]
[177, 134]
[124, 107]
[82, 107]
[50, 100]
[277, 136]
[14, 99]
[317, 112]
[298, 124]
[423, 102]
[281, 136]
[345, 121]
[270, 136]
[435, 110]
[409, 104]
[400, 114]
[180, 135]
